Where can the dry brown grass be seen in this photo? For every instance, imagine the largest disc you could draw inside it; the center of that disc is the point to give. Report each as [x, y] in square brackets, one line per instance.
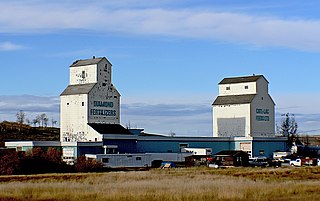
[174, 185]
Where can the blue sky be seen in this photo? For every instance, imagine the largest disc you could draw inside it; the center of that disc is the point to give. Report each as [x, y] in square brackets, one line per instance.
[168, 56]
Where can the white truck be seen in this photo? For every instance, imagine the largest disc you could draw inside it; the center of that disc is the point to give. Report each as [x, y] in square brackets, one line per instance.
[280, 155]
[199, 151]
[296, 162]
[301, 161]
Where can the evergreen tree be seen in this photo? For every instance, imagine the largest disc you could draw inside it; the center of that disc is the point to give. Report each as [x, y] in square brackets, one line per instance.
[289, 126]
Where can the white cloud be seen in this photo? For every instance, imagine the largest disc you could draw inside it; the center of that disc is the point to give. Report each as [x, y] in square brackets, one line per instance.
[305, 108]
[31, 105]
[194, 23]
[185, 118]
[192, 119]
[302, 103]
[8, 46]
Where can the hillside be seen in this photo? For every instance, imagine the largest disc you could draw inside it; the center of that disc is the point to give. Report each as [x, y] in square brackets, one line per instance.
[10, 131]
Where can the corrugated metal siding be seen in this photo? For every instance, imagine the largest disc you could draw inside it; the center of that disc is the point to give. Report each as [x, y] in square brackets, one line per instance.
[124, 146]
[268, 147]
[89, 150]
[158, 146]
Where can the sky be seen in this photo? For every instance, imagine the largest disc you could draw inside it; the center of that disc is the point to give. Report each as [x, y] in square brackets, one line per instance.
[168, 56]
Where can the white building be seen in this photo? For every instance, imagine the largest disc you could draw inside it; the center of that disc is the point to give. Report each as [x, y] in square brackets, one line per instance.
[88, 101]
[243, 108]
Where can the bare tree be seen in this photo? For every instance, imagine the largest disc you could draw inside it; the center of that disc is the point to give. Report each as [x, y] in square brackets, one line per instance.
[21, 116]
[28, 121]
[53, 122]
[38, 120]
[34, 122]
[43, 119]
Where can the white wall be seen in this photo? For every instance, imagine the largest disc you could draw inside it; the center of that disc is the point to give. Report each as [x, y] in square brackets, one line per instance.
[237, 89]
[90, 72]
[231, 120]
[72, 116]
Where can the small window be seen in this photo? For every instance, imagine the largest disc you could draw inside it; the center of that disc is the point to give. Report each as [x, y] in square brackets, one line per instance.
[246, 87]
[83, 74]
[261, 152]
[115, 97]
[261, 98]
[104, 84]
[67, 103]
[138, 158]
[227, 88]
[105, 160]
[82, 103]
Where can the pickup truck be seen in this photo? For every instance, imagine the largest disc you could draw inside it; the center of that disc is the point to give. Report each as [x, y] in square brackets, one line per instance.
[296, 162]
[301, 161]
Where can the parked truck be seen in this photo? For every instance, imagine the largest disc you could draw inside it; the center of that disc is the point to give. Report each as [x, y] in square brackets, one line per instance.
[199, 151]
[302, 161]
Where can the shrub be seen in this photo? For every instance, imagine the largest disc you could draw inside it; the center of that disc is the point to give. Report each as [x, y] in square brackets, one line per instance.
[35, 161]
[53, 155]
[83, 164]
[9, 163]
[39, 161]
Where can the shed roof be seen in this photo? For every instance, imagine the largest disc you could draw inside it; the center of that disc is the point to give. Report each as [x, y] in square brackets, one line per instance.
[109, 128]
[86, 62]
[78, 89]
[230, 153]
[234, 99]
[233, 80]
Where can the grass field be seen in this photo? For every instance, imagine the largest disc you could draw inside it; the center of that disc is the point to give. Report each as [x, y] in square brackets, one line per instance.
[170, 184]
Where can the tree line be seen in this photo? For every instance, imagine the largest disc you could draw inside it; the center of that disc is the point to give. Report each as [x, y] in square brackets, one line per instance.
[41, 119]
